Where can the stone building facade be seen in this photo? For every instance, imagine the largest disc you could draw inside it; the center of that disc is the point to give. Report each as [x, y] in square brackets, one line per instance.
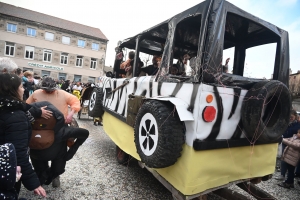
[51, 46]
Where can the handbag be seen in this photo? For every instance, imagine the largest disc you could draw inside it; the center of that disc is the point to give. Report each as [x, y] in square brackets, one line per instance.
[43, 134]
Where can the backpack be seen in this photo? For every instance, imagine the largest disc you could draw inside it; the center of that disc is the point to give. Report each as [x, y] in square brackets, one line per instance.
[42, 135]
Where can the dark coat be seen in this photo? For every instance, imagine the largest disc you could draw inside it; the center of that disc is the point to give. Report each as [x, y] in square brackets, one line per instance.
[29, 85]
[8, 166]
[15, 128]
[151, 70]
[291, 130]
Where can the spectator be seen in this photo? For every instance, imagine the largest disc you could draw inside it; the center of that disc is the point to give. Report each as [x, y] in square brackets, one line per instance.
[16, 119]
[28, 86]
[7, 65]
[290, 156]
[292, 129]
[36, 81]
[66, 86]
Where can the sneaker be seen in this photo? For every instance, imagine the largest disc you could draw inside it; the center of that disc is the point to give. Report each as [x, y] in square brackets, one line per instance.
[279, 178]
[56, 182]
[286, 185]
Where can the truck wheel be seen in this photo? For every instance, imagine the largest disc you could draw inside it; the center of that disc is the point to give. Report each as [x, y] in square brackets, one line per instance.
[266, 111]
[122, 157]
[158, 134]
[95, 103]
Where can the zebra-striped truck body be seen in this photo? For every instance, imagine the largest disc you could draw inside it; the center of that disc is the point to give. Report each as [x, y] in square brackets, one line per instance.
[189, 100]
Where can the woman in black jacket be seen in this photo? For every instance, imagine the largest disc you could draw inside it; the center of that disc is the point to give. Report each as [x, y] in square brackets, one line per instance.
[15, 128]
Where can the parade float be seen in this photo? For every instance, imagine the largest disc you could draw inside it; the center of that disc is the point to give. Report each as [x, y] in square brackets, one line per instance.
[200, 131]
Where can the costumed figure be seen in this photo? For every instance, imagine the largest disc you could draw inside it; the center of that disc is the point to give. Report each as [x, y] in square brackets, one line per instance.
[58, 102]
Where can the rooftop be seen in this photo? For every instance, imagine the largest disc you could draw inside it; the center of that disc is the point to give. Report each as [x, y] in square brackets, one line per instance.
[26, 14]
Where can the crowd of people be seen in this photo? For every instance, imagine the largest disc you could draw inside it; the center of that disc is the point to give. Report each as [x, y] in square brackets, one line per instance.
[44, 110]
[184, 66]
[124, 69]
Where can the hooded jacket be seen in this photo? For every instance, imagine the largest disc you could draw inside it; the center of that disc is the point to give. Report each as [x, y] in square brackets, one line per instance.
[291, 153]
[15, 128]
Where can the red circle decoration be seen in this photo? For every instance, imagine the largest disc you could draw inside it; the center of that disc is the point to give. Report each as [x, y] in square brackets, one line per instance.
[209, 113]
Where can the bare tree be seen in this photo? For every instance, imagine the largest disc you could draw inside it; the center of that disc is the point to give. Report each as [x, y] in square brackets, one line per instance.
[146, 58]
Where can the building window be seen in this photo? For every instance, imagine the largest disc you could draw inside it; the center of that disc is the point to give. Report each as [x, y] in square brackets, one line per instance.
[47, 55]
[31, 32]
[77, 78]
[65, 40]
[9, 49]
[49, 36]
[95, 46]
[81, 43]
[45, 73]
[62, 76]
[91, 79]
[93, 63]
[11, 27]
[64, 58]
[29, 52]
[79, 61]
[27, 69]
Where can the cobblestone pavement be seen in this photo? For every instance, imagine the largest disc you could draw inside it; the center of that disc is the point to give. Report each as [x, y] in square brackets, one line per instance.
[94, 173]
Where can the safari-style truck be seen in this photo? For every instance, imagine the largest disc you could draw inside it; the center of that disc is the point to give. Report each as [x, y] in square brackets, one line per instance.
[207, 129]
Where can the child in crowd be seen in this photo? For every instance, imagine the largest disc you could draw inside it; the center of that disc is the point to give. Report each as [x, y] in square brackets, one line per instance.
[29, 86]
[291, 155]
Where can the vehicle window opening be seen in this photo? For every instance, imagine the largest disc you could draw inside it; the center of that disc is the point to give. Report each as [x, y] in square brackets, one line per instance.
[244, 44]
[150, 46]
[185, 47]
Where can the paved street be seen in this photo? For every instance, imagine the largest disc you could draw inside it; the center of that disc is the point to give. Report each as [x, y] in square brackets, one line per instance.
[94, 173]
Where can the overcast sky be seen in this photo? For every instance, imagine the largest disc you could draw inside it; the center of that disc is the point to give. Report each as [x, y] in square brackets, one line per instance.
[120, 19]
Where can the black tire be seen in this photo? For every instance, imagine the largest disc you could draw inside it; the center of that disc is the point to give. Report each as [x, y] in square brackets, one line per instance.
[160, 145]
[95, 108]
[122, 157]
[266, 111]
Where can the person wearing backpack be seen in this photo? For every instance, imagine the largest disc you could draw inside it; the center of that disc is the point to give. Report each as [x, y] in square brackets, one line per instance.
[60, 99]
